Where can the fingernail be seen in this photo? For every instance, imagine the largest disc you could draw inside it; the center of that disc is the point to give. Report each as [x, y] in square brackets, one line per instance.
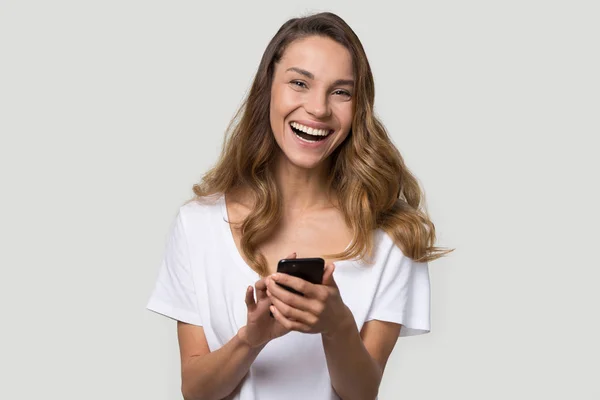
[272, 308]
[275, 276]
[268, 293]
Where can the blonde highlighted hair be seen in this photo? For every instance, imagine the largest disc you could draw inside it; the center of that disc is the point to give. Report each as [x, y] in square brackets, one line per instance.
[374, 187]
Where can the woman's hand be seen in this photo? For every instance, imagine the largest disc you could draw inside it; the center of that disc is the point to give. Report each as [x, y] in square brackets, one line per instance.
[260, 327]
[321, 310]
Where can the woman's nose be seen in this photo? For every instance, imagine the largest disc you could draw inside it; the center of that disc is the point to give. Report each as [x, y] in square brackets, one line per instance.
[318, 105]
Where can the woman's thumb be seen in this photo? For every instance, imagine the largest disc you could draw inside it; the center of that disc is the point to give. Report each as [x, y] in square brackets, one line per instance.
[328, 275]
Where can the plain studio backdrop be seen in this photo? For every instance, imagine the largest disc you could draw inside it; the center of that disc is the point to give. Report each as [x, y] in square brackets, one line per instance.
[111, 110]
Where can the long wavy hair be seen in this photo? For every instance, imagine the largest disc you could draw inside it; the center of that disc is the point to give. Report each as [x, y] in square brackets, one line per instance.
[374, 187]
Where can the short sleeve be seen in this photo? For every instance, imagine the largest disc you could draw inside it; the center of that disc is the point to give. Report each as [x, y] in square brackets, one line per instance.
[403, 295]
[174, 293]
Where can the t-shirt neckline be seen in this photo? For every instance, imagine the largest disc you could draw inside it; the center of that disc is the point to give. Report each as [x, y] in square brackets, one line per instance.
[233, 249]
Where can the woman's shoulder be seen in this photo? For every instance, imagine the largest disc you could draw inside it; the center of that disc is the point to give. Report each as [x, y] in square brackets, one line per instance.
[201, 207]
[386, 250]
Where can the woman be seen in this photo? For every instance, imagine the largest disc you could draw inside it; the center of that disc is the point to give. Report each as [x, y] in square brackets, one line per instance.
[307, 171]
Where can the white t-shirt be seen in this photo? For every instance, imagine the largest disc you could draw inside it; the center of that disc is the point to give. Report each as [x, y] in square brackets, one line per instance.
[203, 281]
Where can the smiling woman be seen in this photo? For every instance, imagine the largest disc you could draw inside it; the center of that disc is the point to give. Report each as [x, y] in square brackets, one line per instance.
[307, 171]
[311, 102]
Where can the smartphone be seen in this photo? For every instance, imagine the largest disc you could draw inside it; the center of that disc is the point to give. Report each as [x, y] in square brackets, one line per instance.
[309, 269]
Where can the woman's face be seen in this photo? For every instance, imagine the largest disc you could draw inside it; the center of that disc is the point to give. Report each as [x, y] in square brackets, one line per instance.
[311, 100]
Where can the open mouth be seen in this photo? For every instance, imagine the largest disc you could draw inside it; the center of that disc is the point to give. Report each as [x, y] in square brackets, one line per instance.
[309, 134]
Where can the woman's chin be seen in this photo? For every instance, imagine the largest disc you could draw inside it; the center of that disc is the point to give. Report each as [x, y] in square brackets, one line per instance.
[302, 161]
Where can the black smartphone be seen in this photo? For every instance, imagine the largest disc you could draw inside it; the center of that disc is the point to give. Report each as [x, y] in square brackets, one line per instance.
[309, 269]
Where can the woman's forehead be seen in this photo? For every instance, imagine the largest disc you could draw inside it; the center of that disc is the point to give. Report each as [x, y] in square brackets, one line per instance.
[321, 56]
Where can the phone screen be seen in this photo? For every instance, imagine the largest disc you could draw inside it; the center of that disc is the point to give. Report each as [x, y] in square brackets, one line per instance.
[309, 269]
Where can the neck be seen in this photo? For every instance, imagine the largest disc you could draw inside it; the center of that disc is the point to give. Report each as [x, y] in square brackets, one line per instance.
[303, 189]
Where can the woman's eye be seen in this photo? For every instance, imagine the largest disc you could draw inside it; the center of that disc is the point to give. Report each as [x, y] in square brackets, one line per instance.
[298, 84]
[342, 93]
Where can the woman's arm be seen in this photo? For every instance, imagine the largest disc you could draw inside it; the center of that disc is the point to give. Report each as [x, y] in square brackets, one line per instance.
[356, 361]
[207, 375]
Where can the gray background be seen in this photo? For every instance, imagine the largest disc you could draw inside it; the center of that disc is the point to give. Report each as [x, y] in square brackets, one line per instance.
[111, 110]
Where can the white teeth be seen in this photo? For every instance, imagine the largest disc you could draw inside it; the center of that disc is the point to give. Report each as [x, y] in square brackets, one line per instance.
[310, 131]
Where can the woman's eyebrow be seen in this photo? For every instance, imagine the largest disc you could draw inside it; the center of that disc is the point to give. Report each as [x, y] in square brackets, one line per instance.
[301, 72]
[343, 82]
[309, 75]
